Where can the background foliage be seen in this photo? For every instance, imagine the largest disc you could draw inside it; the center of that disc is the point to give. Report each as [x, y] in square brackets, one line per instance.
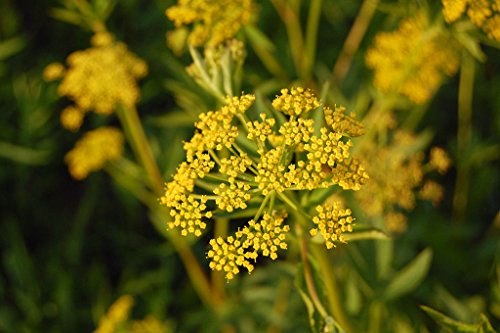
[69, 249]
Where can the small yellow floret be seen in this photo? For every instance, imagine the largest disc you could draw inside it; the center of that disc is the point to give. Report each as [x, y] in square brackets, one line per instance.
[296, 101]
[53, 71]
[72, 118]
[331, 222]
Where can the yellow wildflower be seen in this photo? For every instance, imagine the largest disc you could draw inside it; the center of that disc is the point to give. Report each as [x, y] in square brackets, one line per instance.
[395, 222]
[103, 77]
[93, 150]
[72, 118]
[53, 71]
[296, 102]
[214, 21]
[431, 191]
[232, 161]
[485, 14]
[395, 172]
[453, 9]
[439, 160]
[117, 320]
[265, 237]
[411, 62]
[331, 222]
[342, 123]
[150, 324]
[117, 315]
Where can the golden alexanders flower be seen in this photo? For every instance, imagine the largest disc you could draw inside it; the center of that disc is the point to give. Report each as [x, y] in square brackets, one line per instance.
[214, 21]
[117, 319]
[413, 60]
[93, 150]
[239, 162]
[117, 314]
[98, 79]
[397, 172]
[485, 14]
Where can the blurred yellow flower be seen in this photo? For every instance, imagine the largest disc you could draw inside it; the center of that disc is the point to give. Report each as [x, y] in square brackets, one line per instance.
[214, 21]
[93, 150]
[412, 60]
[72, 118]
[485, 14]
[102, 77]
[117, 320]
[431, 191]
[150, 324]
[439, 160]
[117, 314]
[53, 71]
[395, 173]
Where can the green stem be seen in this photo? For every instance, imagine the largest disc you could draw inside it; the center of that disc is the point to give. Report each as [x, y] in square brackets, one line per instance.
[354, 39]
[137, 139]
[465, 95]
[332, 290]
[293, 27]
[308, 274]
[256, 39]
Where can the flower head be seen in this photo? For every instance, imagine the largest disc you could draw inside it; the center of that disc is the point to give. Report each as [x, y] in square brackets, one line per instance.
[93, 150]
[485, 14]
[236, 160]
[411, 61]
[72, 118]
[102, 77]
[214, 21]
[397, 174]
[116, 315]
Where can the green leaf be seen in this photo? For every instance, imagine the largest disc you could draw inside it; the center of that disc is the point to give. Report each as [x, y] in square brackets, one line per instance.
[24, 155]
[409, 277]
[384, 257]
[172, 119]
[11, 46]
[455, 326]
[471, 45]
[65, 15]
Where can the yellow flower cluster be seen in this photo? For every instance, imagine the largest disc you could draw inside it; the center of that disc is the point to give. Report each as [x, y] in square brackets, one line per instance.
[342, 123]
[215, 129]
[117, 320]
[485, 14]
[439, 160]
[93, 150]
[331, 221]
[396, 173]
[188, 210]
[264, 237]
[214, 21]
[295, 102]
[72, 118]
[232, 161]
[116, 315]
[99, 78]
[412, 60]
